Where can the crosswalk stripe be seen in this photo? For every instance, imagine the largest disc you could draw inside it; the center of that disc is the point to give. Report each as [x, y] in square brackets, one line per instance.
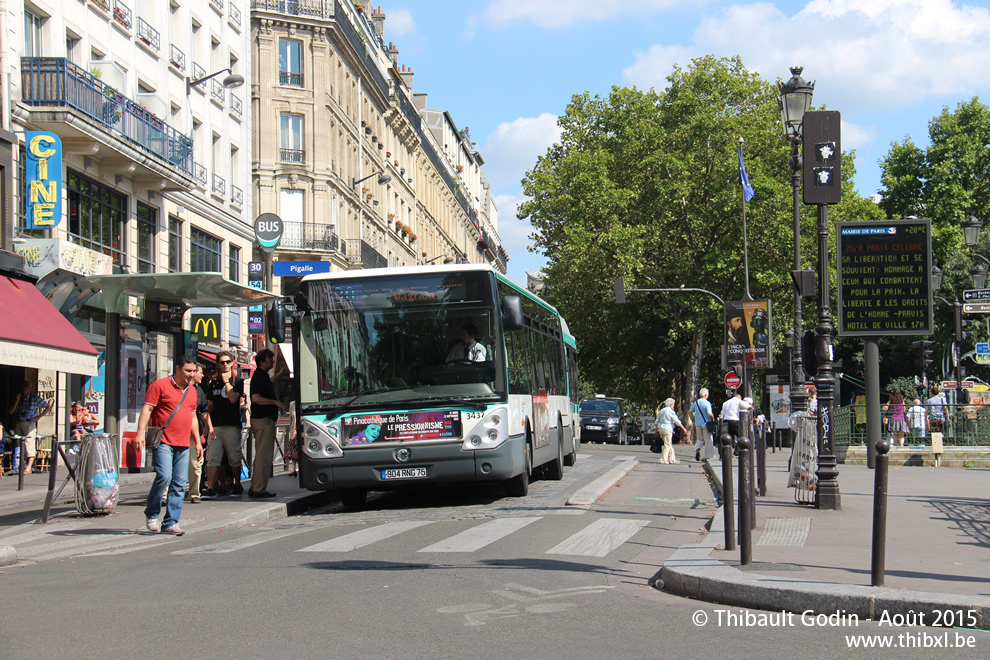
[233, 545]
[599, 538]
[480, 536]
[365, 537]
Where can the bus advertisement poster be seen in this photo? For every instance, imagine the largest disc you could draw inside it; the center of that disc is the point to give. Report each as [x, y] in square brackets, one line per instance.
[747, 333]
[401, 427]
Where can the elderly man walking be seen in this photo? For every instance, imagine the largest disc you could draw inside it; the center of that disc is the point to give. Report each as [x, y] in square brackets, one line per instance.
[702, 410]
[666, 420]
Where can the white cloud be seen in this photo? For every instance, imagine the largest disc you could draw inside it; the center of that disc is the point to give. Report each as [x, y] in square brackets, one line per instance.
[514, 147]
[866, 55]
[554, 14]
[399, 23]
[515, 238]
[855, 136]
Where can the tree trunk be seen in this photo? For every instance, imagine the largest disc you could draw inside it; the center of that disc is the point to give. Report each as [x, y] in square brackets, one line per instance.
[694, 370]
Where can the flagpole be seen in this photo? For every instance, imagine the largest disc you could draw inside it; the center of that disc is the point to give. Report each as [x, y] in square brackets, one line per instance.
[742, 191]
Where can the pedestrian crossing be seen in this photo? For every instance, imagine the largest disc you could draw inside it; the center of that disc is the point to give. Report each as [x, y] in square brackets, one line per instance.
[598, 539]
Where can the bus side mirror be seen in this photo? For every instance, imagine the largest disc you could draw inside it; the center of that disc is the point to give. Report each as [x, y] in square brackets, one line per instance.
[512, 313]
[276, 322]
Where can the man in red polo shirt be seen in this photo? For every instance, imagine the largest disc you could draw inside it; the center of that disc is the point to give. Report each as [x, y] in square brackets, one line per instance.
[171, 459]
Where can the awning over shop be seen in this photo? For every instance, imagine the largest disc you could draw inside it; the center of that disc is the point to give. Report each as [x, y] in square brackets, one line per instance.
[35, 335]
[185, 289]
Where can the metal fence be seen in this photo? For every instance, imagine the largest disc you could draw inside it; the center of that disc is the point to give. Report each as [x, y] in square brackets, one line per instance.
[965, 425]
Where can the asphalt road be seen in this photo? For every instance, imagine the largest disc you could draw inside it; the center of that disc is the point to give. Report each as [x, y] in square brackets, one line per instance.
[464, 573]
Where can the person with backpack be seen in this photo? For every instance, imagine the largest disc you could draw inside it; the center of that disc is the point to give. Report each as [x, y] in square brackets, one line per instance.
[702, 410]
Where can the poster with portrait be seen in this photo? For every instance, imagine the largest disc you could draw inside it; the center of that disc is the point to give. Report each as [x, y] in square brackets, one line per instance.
[401, 427]
[748, 333]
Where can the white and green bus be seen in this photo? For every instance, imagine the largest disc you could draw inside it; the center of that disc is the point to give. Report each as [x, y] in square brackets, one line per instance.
[393, 393]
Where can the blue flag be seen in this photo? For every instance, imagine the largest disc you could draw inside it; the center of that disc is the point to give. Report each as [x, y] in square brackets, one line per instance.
[748, 191]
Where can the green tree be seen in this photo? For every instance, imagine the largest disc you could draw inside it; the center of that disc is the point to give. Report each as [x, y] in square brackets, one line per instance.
[645, 185]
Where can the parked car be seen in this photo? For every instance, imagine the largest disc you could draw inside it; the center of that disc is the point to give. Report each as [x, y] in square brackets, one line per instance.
[604, 419]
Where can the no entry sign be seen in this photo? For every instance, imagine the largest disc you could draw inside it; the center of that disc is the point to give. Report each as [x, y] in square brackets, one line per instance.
[732, 381]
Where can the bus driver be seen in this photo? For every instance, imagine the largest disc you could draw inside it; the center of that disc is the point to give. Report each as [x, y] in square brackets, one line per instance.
[468, 349]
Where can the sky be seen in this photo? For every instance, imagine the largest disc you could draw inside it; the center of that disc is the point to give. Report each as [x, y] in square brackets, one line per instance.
[507, 68]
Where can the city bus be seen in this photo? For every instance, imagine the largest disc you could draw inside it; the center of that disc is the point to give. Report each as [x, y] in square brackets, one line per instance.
[388, 398]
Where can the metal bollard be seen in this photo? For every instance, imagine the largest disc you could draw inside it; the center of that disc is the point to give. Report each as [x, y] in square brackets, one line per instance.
[728, 508]
[879, 514]
[745, 501]
[761, 461]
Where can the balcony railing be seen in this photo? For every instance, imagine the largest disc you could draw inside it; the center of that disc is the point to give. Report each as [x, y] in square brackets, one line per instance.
[309, 8]
[218, 5]
[359, 251]
[235, 15]
[236, 105]
[199, 173]
[122, 14]
[304, 236]
[236, 195]
[291, 155]
[177, 57]
[56, 81]
[218, 91]
[290, 79]
[148, 34]
[219, 185]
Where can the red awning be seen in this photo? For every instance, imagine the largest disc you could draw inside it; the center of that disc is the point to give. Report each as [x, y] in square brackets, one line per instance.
[35, 335]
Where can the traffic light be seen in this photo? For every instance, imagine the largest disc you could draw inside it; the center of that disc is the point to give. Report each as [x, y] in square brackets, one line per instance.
[620, 291]
[809, 355]
[961, 325]
[924, 355]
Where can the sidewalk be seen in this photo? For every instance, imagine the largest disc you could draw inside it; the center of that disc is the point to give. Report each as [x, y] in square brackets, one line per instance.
[126, 525]
[938, 537]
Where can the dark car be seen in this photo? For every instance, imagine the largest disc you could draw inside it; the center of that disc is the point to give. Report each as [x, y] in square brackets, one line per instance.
[604, 420]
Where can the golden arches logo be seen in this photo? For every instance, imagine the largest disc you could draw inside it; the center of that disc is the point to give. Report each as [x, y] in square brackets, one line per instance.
[206, 324]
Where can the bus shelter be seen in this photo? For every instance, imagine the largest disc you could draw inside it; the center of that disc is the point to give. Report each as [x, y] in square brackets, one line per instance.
[177, 292]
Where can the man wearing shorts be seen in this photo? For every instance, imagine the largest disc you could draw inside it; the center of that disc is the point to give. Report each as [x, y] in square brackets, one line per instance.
[224, 394]
[28, 408]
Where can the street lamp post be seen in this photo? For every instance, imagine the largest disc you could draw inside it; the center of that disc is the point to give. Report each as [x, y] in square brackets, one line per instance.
[795, 99]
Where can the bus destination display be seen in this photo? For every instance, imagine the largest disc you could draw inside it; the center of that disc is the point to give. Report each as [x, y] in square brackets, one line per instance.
[884, 278]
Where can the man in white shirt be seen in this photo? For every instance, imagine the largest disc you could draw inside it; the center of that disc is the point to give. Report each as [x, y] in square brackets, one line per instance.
[467, 350]
[730, 415]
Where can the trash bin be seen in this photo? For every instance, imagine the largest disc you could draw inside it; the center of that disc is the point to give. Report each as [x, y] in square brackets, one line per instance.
[97, 482]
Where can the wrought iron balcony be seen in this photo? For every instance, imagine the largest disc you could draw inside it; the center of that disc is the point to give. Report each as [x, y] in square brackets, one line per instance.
[122, 13]
[197, 73]
[236, 195]
[199, 173]
[292, 155]
[307, 8]
[219, 185]
[148, 34]
[177, 57]
[218, 91]
[290, 79]
[235, 15]
[57, 82]
[361, 252]
[218, 5]
[236, 105]
[305, 236]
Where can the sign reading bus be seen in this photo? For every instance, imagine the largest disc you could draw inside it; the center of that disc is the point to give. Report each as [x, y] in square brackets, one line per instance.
[884, 278]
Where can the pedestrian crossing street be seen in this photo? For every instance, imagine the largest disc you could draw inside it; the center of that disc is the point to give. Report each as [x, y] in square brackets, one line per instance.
[576, 537]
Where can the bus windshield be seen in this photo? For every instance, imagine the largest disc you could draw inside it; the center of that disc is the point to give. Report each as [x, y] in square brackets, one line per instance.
[400, 340]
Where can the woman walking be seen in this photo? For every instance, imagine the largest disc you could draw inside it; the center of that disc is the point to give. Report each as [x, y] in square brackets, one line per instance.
[898, 420]
[666, 420]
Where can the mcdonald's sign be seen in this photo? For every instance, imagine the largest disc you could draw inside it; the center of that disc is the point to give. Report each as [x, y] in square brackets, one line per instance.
[207, 326]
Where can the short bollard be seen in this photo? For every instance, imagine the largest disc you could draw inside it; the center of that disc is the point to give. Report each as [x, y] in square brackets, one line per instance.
[728, 508]
[879, 514]
[745, 501]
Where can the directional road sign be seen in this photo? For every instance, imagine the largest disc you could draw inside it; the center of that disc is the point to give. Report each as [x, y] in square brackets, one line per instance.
[982, 347]
[949, 385]
[972, 295]
[977, 308]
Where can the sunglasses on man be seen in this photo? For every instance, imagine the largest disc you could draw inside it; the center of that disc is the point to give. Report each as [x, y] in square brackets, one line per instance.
[226, 362]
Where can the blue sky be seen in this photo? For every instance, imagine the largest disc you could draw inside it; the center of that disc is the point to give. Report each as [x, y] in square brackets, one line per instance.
[508, 68]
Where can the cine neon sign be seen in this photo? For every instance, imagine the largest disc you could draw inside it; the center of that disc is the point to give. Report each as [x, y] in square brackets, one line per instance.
[43, 170]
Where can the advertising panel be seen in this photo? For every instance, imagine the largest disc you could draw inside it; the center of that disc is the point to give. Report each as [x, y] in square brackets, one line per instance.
[43, 178]
[133, 382]
[748, 333]
[401, 427]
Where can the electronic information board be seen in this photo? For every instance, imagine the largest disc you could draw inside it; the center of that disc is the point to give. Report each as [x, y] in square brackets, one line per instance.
[884, 278]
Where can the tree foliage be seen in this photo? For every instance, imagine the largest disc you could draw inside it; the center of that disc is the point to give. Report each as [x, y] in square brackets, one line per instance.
[645, 185]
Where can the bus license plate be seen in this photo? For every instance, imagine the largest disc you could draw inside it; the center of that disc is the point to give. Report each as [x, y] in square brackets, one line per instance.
[404, 473]
[593, 428]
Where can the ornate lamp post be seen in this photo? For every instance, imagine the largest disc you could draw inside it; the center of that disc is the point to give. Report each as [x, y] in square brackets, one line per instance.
[795, 99]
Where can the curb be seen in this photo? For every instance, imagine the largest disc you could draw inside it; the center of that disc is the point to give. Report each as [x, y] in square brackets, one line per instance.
[691, 572]
[591, 493]
[269, 512]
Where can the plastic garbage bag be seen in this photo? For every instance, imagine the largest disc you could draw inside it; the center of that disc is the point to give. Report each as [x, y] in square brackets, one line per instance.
[97, 480]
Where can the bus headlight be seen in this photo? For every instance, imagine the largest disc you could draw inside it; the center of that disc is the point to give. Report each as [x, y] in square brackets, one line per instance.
[320, 439]
[490, 432]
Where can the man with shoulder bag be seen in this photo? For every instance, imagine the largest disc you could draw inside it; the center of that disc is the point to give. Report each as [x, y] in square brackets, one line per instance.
[165, 427]
[705, 426]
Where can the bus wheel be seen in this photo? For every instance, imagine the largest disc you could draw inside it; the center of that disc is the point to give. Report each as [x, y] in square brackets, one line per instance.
[353, 496]
[518, 486]
[571, 458]
[555, 469]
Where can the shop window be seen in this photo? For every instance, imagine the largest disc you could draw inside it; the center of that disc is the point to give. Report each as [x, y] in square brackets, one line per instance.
[97, 217]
